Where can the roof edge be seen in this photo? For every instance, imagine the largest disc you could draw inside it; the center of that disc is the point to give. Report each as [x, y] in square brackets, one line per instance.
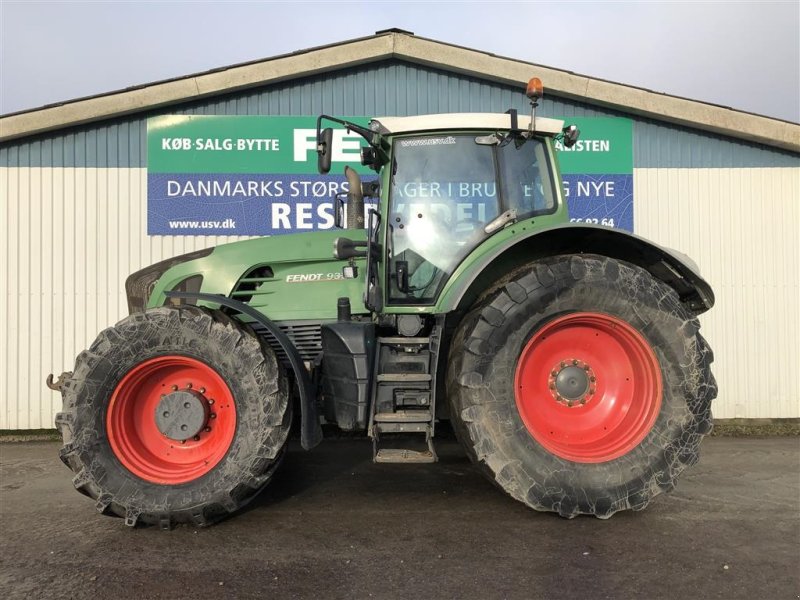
[659, 106]
[398, 44]
[195, 87]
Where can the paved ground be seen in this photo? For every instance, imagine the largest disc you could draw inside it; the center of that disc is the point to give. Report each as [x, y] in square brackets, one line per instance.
[334, 525]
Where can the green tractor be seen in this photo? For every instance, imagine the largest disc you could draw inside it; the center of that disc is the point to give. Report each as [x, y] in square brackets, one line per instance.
[566, 356]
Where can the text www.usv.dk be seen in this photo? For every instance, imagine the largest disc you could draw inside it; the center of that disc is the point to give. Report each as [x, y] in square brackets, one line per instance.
[226, 224]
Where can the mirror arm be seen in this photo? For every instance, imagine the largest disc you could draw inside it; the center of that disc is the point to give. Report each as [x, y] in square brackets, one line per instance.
[368, 135]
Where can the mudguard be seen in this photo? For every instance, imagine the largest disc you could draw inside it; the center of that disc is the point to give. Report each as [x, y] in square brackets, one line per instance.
[310, 430]
[479, 271]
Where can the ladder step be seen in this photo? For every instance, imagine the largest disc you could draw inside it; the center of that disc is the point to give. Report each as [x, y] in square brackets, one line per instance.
[415, 341]
[404, 377]
[404, 416]
[399, 455]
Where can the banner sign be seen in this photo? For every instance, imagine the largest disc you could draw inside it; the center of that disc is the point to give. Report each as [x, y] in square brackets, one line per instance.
[253, 175]
[598, 172]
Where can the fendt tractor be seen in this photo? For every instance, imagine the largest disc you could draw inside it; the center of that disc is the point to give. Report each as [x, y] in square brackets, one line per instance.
[566, 356]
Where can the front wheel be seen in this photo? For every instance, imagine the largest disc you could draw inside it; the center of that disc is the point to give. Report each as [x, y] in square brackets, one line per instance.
[175, 415]
[581, 386]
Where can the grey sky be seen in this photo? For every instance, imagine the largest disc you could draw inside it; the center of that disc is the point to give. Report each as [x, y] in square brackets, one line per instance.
[740, 54]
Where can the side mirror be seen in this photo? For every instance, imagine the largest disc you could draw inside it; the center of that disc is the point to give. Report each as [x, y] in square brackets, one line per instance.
[324, 150]
[571, 135]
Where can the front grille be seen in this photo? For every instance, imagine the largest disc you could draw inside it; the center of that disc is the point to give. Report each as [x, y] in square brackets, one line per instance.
[306, 337]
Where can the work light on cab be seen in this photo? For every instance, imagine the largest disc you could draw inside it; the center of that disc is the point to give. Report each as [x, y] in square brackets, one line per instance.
[535, 90]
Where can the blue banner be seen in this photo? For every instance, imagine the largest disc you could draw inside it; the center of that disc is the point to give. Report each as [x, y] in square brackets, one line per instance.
[600, 200]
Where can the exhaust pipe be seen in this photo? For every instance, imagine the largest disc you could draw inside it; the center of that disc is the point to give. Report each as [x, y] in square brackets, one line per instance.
[355, 200]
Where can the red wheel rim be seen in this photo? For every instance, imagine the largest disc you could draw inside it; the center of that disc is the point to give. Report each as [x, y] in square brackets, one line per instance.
[588, 387]
[134, 434]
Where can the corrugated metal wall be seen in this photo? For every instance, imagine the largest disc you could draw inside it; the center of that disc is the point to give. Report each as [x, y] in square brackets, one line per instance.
[70, 237]
[73, 215]
[741, 226]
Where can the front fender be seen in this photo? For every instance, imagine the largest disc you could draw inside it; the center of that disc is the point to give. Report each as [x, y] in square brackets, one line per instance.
[488, 263]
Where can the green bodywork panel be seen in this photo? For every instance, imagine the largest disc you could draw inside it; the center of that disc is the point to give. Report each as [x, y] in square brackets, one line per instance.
[307, 280]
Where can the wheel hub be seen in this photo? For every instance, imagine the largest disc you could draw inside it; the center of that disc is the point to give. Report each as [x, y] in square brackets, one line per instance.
[182, 414]
[572, 382]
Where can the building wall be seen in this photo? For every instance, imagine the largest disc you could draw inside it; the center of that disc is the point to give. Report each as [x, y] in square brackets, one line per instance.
[741, 226]
[73, 221]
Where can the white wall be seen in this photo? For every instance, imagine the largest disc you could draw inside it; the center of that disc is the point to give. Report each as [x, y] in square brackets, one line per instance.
[71, 236]
[742, 227]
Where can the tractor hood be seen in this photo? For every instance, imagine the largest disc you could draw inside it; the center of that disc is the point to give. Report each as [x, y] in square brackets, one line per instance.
[286, 277]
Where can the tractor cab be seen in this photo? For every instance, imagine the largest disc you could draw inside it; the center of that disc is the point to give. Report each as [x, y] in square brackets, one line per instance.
[453, 182]
[447, 184]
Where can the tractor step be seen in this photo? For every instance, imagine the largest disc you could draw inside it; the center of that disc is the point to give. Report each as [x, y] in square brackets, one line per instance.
[399, 455]
[403, 341]
[404, 377]
[404, 416]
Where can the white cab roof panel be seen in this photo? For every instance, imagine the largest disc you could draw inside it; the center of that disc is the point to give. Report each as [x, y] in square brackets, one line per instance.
[491, 121]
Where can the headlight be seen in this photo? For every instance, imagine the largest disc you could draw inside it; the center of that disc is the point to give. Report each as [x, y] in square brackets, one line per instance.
[139, 285]
[190, 284]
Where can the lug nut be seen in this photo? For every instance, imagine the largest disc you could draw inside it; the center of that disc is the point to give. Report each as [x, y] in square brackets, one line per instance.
[197, 438]
[554, 373]
[592, 379]
[210, 401]
[212, 416]
[202, 390]
[183, 441]
[574, 362]
[563, 364]
[591, 391]
[552, 386]
[207, 429]
[189, 386]
[174, 388]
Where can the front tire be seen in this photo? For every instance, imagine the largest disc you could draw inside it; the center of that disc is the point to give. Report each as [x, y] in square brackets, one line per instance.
[581, 385]
[175, 415]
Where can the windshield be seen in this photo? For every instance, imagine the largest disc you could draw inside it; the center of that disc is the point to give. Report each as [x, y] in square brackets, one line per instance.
[444, 191]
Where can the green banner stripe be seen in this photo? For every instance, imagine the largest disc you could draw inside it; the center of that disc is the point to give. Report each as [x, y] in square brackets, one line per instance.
[605, 147]
[286, 145]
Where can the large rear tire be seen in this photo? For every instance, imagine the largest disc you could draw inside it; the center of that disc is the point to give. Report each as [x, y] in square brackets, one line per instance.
[580, 385]
[175, 415]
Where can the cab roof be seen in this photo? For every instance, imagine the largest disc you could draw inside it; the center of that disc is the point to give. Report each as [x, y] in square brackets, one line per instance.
[451, 121]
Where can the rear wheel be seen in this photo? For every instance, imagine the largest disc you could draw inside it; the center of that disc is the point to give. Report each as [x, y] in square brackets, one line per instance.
[176, 415]
[581, 385]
